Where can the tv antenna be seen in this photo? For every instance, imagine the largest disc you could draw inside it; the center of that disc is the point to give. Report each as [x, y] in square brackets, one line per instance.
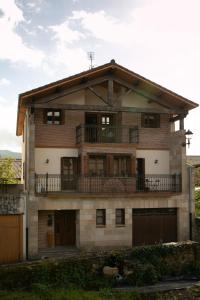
[91, 59]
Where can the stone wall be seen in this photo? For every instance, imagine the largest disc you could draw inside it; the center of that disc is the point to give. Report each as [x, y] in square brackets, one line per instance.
[11, 204]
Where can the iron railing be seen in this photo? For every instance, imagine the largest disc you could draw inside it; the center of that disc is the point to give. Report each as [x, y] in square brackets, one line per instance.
[48, 183]
[106, 134]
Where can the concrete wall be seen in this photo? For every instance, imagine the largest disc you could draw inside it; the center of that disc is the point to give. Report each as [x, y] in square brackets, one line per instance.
[54, 156]
[151, 156]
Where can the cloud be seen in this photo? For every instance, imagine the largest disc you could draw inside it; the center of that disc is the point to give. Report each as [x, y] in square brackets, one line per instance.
[9, 141]
[13, 47]
[64, 34]
[4, 82]
[68, 56]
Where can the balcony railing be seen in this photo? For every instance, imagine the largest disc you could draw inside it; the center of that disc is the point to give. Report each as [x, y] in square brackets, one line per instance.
[50, 183]
[106, 134]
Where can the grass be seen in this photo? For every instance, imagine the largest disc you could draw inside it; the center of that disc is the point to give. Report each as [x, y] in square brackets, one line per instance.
[44, 293]
[68, 294]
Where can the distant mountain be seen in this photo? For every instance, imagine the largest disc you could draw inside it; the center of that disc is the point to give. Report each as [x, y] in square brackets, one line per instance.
[7, 153]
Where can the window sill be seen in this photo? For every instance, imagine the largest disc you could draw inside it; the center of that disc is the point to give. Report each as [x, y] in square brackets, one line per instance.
[120, 225]
[100, 226]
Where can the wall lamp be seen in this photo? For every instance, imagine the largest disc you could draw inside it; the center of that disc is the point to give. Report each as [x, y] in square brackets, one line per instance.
[188, 137]
[47, 161]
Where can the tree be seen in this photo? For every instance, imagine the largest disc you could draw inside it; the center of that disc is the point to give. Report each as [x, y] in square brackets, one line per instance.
[7, 174]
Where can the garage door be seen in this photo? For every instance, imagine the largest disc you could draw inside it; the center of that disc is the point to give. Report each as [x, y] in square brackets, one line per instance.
[152, 226]
[11, 242]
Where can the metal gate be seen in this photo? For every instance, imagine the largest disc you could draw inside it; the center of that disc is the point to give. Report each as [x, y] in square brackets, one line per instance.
[11, 238]
[153, 226]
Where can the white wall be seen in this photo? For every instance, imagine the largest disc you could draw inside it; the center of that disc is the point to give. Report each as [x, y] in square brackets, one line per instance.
[75, 98]
[135, 100]
[54, 156]
[161, 167]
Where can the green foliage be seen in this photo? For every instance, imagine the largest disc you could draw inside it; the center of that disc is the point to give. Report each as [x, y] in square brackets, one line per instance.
[192, 269]
[143, 274]
[6, 170]
[197, 203]
[197, 176]
[69, 294]
[139, 266]
[153, 252]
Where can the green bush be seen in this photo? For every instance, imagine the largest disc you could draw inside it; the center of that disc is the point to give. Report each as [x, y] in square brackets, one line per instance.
[143, 274]
[148, 264]
[192, 269]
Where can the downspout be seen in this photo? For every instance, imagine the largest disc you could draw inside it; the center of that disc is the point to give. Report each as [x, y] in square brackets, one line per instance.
[190, 200]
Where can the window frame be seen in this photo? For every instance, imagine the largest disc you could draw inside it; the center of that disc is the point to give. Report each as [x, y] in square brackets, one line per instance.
[146, 121]
[96, 157]
[127, 172]
[54, 118]
[120, 219]
[102, 217]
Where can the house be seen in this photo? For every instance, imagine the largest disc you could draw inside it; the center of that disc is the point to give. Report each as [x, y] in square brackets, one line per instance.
[103, 164]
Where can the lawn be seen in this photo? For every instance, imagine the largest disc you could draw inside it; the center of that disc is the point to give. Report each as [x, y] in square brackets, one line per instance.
[104, 294]
[41, 293]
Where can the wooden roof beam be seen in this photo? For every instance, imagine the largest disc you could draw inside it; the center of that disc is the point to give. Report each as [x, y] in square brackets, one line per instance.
[142, 93]
[73, 89]
[103, 108]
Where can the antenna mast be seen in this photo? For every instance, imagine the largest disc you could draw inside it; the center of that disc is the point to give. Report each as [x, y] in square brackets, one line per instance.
[91, 59]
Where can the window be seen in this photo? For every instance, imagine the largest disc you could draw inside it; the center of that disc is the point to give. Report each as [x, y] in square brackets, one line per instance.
[101, 217]
[106, 120]
[120, 216]
[122, 166]
[97, 166]
[53, 116]
[150, 120]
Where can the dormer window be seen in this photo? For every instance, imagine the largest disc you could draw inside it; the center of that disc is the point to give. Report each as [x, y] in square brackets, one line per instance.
[149, 120]
[53, 116]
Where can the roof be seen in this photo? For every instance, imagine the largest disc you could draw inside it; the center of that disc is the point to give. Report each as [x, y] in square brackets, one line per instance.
[120, 71]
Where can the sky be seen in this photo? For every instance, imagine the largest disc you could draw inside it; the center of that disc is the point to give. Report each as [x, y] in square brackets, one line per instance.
[47, 40]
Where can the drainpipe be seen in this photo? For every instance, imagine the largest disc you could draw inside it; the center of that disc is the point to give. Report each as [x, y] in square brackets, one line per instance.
[26, 211]
[190, 200]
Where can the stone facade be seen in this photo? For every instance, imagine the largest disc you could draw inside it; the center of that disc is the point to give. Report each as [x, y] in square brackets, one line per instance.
[90, 235]
[11, 204]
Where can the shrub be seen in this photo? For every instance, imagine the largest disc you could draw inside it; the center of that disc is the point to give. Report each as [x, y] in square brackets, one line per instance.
[143, 274]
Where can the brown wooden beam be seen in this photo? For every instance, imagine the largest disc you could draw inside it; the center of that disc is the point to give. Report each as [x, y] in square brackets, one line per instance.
[110, 91]
[103, 108]
[142, 92]
[72, 90]
[177, 118]
[99, 96]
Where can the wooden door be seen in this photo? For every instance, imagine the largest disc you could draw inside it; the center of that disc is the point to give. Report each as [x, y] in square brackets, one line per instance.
[11, 238]
[65, 228]
[68, 173]
[107, 132]
[153, 226]
[91, 130]
[140, 170]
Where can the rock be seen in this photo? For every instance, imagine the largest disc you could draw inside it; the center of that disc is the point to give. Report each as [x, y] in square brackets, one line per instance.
[110, 271]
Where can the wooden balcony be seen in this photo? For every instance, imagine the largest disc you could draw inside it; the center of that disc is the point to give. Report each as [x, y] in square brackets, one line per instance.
[52, 183]
[106, 134]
